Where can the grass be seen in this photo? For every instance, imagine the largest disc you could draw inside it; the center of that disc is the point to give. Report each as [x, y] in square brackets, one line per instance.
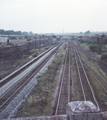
[102, 97]
[39, 102]
[85, 46]
[75, 81]
[9, 68]
[75, 43]
[22, 60]
[18, 42]
[98, 89]
[76, 88]
[94, 65]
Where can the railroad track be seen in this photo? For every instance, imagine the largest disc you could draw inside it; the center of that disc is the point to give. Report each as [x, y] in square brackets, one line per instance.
[101, 80]
[18, 71]
[64, 95]
[86, 87]
[93, 82]
[24, 77]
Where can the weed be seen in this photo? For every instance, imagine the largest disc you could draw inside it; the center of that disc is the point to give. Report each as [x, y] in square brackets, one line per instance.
[75, 81]
[17, 63]
[97, 87]
[39, 102]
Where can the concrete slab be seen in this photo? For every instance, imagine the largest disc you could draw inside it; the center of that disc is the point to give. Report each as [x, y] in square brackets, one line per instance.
[83, 110]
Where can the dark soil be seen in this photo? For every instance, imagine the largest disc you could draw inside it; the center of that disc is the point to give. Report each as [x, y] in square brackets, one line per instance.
[8, 56]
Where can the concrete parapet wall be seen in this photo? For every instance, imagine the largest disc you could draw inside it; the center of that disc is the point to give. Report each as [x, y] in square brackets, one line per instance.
[83, 110]
[79, 110]
[104, 114]
[57, 117]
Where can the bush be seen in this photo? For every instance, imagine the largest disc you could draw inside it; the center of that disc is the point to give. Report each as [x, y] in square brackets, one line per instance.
[89, 41]
[94, 42]
[95, 48]
[104, 58]
[81, 41]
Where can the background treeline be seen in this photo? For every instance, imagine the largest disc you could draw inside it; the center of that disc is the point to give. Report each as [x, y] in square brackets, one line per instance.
[12, 32]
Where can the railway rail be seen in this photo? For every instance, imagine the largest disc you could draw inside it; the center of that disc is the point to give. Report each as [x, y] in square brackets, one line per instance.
[101, 81]
[64, 95]
[24, 77]
[18, 71]
[88, 88]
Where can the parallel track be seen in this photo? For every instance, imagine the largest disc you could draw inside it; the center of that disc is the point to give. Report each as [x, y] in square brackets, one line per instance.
[64, 95]
[86, 87]
[16, 88]
[101, 81]
[18, 71]
[96, 81]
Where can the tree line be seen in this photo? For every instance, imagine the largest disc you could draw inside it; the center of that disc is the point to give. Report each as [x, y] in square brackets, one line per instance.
[12, 32]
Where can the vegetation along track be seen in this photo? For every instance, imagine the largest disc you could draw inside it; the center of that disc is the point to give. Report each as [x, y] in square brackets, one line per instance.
[10, 93]
[64, 93]
[93, 83]
[18, 71]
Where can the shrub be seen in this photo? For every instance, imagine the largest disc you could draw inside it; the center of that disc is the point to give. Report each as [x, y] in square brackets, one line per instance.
[104, 58]
[95, 48]
[94, 42]
[89, 41]
[81, 41]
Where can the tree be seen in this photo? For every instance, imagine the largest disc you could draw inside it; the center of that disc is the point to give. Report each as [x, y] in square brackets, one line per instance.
[2, 31]
[81, 33]
[87, 32]
[95, 48]
[104, 58]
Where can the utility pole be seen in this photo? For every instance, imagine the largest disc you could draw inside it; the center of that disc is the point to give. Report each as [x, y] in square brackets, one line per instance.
[35, 42]
[40, 42]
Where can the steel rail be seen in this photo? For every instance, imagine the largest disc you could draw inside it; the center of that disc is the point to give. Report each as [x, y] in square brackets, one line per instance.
[95, 71]
[20, 87]
[88, 81]
[56, 111]
[98, 80]
[69, 79]
[79, 76]
[7, 78]
[94, 76]
[20, 80]
[25, 81]
[17, 83]
[84, 62]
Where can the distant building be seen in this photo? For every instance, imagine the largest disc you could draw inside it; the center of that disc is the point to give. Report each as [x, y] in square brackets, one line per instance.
[4, 40]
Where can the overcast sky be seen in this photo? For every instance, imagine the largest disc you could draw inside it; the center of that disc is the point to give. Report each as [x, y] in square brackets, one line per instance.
[53, 16]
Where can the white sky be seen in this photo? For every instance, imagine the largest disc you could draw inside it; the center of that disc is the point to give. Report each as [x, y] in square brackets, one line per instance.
[52, 16]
